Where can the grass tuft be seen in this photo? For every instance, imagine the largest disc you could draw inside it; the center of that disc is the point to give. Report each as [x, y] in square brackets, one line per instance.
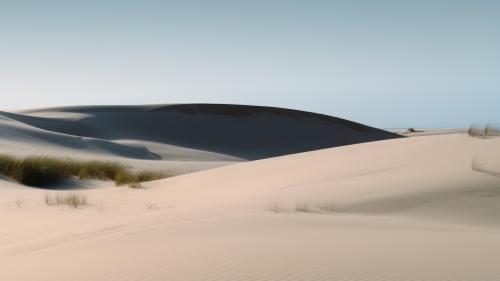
[318, 207]
[315, 208]
[45, 171]
[73, 200]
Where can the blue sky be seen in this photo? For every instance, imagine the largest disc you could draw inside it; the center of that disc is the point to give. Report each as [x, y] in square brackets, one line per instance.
[383, 63]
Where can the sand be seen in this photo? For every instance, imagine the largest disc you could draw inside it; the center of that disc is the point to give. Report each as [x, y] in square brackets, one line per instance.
[24, 135]
[179, 138]
[241, 132]
[401, 209]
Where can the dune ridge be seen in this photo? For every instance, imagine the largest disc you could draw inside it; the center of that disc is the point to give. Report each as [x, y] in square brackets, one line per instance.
[249, 132]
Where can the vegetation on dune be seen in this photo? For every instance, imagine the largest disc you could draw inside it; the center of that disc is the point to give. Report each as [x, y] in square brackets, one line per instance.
[72, 199]
[317, 207]
[44, 171]
[484, 131]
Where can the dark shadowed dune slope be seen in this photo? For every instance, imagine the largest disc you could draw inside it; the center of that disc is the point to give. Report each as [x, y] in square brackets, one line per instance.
[250, 132]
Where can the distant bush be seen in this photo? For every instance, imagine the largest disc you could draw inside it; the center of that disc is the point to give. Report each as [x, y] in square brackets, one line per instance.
[483, 131]
[44, 171]
[413, 130]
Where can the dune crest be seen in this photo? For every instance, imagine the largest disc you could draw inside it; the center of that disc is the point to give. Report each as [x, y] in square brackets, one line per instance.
[249, 132]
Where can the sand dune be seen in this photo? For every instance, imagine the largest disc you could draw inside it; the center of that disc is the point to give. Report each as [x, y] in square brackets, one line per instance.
[401, 209]
[248, 132]
[177, 138]
[18, 134]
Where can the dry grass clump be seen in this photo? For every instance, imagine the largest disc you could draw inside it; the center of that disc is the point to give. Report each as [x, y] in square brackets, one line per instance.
[317, 207]
[483, 131]
[305, 207]
[19, 202]
[134, 179]
[72, 200]
[278, 209]
[44, 171]
[413, 130]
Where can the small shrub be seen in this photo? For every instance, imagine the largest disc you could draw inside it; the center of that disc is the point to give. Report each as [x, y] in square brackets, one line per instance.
[276, 208]
[19, 202]
[413, 130]
[483, 131]
[72, 200]
[305, 207]
[317, 207]
[491, 131]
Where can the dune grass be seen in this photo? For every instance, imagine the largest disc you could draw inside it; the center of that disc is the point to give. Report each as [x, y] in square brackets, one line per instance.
[483, 131]
[72, 200]
[318, 207]
[45, 171]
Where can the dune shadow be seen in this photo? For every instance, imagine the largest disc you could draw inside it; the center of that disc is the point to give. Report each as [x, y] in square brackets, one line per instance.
[69, 184]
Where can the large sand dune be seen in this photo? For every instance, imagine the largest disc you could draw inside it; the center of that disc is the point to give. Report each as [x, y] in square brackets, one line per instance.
[248, 132]
[179, 138]
[403, 209]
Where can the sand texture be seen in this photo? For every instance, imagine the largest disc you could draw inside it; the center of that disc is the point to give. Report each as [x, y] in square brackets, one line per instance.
[418, 208]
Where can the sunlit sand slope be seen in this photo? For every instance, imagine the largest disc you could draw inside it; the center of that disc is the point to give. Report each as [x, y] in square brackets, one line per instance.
[403, 209]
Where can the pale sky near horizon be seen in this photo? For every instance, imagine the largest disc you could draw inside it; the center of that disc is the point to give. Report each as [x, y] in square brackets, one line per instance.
[382, 63]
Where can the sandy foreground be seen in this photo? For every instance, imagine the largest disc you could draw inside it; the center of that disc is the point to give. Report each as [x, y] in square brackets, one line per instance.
[418, 208]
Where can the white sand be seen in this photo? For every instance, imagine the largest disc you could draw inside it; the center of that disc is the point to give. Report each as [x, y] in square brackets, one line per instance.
[404, 209]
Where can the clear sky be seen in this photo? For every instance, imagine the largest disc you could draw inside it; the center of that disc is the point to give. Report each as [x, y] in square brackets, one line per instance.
[383, 63]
